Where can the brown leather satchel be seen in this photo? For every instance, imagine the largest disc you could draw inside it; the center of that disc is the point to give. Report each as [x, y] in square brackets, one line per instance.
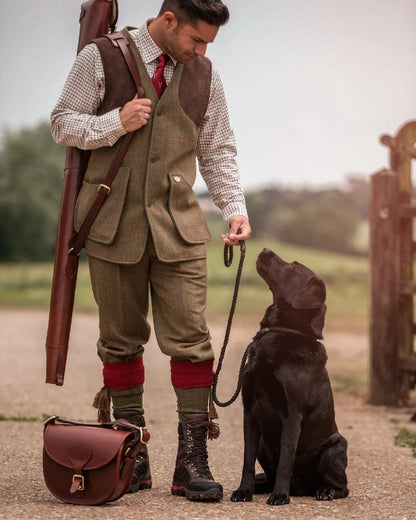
[90, 464]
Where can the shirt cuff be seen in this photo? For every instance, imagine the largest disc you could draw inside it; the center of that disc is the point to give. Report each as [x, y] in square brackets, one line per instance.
[232, 209]
[112, 124]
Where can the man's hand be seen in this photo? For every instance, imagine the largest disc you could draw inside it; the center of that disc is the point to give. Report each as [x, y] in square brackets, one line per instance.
[135, 113]
[239, 230]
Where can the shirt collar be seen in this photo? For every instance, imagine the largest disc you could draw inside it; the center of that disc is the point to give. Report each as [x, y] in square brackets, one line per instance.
[149, 50]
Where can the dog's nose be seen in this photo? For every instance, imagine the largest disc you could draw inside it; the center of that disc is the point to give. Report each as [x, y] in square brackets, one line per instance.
[267, 250]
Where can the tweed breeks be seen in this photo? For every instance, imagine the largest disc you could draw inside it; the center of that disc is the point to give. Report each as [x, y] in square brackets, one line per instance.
[178, 298]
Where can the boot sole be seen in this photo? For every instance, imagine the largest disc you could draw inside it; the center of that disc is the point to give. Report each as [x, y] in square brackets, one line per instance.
[140, 486]
[208, 495]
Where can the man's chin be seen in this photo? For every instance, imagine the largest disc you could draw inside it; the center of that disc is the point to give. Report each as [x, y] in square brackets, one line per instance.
[186, 58]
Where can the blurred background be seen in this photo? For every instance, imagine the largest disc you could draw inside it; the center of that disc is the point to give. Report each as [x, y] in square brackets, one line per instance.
[311, 86]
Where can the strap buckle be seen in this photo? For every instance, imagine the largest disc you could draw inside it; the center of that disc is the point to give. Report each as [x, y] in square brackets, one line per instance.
[144, 435]
[105, 187]
[76, 477]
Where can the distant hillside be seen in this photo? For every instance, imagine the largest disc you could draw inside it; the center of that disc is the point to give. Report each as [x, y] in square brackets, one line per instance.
[334, 219]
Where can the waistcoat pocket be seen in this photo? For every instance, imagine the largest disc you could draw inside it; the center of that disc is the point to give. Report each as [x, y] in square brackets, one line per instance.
[186, 212]
[106, 224]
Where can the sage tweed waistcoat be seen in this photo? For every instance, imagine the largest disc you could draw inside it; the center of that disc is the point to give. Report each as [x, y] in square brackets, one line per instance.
[152, 191]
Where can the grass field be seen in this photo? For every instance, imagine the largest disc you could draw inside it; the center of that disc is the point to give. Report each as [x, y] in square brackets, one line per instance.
[346, 277]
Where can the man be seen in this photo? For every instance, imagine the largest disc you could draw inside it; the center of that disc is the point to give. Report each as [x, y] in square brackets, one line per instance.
[151, 232]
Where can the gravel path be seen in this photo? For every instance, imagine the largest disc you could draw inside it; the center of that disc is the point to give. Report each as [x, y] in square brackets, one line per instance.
[382, 477]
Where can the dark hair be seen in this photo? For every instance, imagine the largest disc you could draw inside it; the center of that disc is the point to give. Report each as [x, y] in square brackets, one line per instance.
[213, 12]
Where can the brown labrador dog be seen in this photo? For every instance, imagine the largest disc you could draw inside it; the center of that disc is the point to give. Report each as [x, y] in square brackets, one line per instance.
[289, 417]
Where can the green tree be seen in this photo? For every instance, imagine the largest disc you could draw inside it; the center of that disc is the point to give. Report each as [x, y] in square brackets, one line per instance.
[31, 166]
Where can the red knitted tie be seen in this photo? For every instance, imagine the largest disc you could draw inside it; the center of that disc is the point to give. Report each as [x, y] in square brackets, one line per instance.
[158, 79]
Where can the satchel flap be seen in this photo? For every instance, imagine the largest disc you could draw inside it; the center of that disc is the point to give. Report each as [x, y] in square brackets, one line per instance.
[91, 447]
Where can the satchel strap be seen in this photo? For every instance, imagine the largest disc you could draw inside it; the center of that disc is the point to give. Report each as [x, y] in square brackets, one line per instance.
[77, 241]
[120, 424]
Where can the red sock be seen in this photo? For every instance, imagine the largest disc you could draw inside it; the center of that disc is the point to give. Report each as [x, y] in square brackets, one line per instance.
[125, 375]
[185, 374]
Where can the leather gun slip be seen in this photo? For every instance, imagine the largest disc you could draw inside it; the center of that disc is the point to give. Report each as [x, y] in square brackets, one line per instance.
[98, 17]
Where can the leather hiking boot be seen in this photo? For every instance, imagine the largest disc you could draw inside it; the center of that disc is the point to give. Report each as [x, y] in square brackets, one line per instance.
[141, 476]
[192, 477]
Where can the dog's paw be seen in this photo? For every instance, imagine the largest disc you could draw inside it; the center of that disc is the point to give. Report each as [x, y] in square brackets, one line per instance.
[325, 494]
[278, 499]
[331, 493]
[242, 495]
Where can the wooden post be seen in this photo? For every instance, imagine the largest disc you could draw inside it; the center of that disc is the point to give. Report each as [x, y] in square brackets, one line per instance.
[385, 281]
[402, 152]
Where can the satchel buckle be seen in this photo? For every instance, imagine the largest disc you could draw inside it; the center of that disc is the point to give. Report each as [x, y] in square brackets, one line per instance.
[51, 419]
[81, 486]
[107, 188]
[144, 435]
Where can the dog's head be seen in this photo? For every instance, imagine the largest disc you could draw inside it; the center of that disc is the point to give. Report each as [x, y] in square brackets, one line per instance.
[298, 294]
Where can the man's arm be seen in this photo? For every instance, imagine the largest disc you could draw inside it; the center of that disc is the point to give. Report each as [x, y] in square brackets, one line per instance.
[74, 121]
[218, 166]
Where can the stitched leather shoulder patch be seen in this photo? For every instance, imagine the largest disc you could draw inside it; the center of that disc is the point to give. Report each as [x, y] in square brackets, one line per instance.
[119, 85]
[195, 87]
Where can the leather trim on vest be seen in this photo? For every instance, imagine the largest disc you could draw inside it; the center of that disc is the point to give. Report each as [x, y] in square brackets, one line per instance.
[195, 88]
[119, 85]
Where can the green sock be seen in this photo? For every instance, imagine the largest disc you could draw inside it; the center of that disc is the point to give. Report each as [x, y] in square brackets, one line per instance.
[131, 399]
[192, 400]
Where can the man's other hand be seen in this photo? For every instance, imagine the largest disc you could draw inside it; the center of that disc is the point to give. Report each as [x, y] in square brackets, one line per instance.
[135, 113]
[239, 230]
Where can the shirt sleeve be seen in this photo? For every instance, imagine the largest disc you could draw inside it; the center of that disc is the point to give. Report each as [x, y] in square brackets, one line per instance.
[217, 153]
[73, 120]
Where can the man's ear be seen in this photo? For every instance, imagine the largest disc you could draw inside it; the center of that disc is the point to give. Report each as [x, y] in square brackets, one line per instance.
[169, 20]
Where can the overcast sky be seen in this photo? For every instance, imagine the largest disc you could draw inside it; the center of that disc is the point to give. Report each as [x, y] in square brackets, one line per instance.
[311, 84]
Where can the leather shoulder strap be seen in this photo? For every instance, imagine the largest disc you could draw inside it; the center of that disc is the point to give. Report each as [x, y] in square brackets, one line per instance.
[119, 40]
[78, 240]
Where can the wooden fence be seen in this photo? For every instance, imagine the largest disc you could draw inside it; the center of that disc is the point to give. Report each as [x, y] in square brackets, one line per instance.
[392, 250]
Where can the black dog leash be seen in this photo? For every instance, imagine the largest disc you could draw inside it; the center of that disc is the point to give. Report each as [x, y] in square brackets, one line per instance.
[228, 259]
[282, 331]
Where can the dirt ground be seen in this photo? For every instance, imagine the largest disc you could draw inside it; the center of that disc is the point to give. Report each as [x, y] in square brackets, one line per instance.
[382, 477]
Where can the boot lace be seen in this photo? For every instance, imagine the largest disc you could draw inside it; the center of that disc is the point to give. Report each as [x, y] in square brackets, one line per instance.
[197, 449]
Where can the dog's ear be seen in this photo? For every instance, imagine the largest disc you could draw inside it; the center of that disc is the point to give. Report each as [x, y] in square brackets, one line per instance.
[312, 296]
